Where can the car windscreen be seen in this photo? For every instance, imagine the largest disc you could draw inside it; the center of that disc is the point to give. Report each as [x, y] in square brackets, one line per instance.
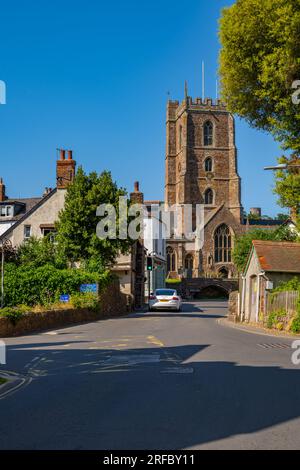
[165, 292]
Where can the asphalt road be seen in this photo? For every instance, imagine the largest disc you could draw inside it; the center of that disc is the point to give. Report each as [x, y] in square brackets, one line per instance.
[152, 381]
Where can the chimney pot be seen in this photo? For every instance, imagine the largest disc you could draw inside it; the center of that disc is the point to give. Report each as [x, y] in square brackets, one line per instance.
[2, 191]
[62, 154]
[70, 155]
[136, 187]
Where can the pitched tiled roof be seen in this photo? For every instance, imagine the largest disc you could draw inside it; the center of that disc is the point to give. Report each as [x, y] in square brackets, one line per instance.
[33, 205]
[28, 204]
[278, 256]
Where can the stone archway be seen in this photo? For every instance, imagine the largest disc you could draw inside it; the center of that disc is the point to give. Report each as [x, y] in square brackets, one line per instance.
[212, 291]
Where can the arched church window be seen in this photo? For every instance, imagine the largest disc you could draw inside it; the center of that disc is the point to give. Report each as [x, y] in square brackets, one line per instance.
[189, 265]
[209, 196]
[223, 244]
[171, 260]
[208, 133]
[208, 164]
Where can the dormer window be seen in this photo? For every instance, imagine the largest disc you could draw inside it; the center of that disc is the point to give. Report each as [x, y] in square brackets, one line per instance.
[6, 211]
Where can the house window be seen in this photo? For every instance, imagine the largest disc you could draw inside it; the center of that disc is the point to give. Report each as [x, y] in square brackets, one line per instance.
[208, 133]
[209, 196]
[27, 231]
[171, 260]
[223, 244]
[6, 211]
[208, 164]
[50, 233]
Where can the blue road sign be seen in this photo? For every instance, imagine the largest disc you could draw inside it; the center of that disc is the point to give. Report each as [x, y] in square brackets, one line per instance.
[64, 298]
[89, 288]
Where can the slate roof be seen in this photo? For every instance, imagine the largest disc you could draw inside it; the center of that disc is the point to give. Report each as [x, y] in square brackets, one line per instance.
[278, 256]
[32, 205]
[27, 203]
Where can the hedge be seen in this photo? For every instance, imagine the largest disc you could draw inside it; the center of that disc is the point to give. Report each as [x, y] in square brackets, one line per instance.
[32, 286]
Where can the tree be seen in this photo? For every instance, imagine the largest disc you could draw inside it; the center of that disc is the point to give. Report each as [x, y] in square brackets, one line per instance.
[259, 62]
[260, 73]
[38, 252]
[243, 243]
[76, 227]
[287, 186]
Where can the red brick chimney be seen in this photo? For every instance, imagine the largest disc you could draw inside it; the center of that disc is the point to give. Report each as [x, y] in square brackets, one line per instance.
[137, 197]
[2, 191]
[65, 169]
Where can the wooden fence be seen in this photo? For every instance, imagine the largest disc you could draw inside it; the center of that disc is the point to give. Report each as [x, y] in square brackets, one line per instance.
[286, 300]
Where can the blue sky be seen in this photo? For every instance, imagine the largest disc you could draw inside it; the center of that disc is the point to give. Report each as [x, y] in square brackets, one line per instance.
[94, 77]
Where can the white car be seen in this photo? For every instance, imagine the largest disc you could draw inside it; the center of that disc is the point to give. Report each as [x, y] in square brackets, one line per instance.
[165, 299]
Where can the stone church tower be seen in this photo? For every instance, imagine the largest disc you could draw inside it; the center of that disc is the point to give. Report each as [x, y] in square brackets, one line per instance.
[201, 168]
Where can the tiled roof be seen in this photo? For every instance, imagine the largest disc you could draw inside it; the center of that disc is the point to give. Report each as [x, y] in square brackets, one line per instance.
[278, 256]
[32, 204]
[28, 203]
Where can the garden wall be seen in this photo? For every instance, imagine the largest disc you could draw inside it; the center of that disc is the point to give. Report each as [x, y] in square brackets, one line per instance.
[112, 304]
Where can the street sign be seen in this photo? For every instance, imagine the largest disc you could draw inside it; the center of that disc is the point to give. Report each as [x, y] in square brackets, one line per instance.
[64, 298]
[89, 288]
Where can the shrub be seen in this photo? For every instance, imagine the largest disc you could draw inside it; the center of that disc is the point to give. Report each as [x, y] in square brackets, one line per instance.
[44, 285]
[87, 300]
[14, 314]
[274, 319]
[295, 326]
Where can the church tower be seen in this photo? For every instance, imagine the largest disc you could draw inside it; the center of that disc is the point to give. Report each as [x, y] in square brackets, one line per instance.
[201, 168]
[201, 156]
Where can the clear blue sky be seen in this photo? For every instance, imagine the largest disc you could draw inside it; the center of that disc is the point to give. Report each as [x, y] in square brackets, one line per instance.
[94, 76]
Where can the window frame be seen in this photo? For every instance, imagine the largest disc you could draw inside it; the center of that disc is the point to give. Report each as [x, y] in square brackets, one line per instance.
[208, 136]
[223, 244]
[211, 192]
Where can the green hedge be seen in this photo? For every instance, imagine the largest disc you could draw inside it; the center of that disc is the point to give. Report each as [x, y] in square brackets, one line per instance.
[292, 285]
[42, 286]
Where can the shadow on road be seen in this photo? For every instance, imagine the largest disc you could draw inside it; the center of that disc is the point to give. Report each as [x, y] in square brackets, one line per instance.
[141, 398]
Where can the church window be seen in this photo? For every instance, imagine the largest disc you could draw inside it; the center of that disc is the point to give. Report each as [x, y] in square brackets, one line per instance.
[208, 133]
[223, 244]
[209, 196]
[171, 260]
[208, 164]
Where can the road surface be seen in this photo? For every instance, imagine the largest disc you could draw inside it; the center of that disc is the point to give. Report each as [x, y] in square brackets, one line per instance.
[152, 381]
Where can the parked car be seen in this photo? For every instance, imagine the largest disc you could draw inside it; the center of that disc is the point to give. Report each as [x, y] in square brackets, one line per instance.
[165, 299]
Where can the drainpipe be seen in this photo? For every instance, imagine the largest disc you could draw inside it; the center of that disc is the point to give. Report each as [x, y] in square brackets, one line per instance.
[258, 295]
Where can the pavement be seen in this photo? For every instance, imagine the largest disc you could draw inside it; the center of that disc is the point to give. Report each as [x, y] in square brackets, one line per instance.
[157, 380]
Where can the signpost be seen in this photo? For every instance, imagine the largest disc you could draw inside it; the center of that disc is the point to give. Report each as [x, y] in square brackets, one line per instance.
[64, 298]
[84, 288]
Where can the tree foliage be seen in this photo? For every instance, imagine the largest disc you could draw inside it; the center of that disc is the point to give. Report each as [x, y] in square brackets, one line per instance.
[76, 227]
[243, 243]
[287, 186]
[38, 252]
[43, 285]
[259, 61]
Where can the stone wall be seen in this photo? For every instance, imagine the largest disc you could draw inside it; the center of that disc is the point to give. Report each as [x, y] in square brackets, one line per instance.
[112, 304]
[233, 306]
